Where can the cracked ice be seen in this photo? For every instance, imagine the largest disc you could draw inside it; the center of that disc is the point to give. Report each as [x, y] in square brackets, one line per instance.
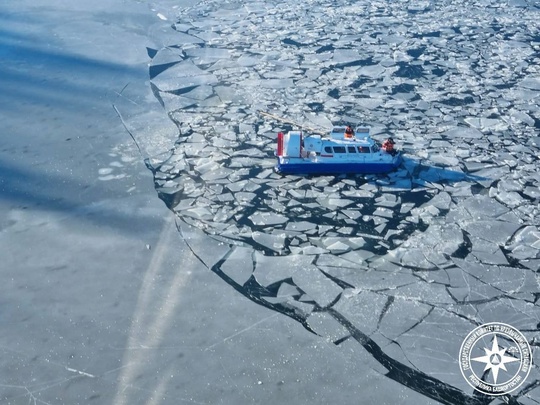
[405, 264]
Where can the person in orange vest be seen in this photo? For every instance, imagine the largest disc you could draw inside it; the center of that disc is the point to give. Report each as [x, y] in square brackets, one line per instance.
[349, 133]
[388, 146]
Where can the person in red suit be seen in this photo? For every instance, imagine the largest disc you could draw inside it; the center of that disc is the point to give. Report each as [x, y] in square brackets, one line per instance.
[388, 146]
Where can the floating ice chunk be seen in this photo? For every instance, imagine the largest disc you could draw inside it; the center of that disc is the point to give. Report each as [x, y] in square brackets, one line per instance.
[229, 94]
[219, 173]
[319, 120]
[522, 116]
[174, 103]
[248, 60]
[316, 285]
[393, 322]
[301, 226]
[270, 83]
[242, 162]
[264, 174]
[534, 141]
[199, 93]
[356, 242]
[521, 314]
[446, 160]
[487, 253]
[271, 269]
[205, 165]
[425, 292]
[283, 73]
[245, 128]
[439, 144]
[532, 83]
[358, 193]
[287, 290]
[297, 193]
[223, 215]
[510, 198]
[481, 206]
[509, 185]
[251, 152]
[425, 249]
[387, 200]
[338, 247]
[267, 218]
[441, 200]
[406, 207]
[344, 56]
[166, 56]
[419, 6]
[473, 165]
[270, 241]
[182, 27]
[339, 202]
[239, 264]
[526, 243]
[524, 253]
[345, 230]
[363, 309]
[436, 174]
[488, 176]
[208, 54]
[329, 262]
[498, 232]
[383, 212]
[199, 213]
[369, 103]
[335, 240]
[244, 197]
[400, 56]
[352, 214]
[380, 228]
[412, 257]
[314, 60]
[464, 132]
[309, 250]
[506, 280]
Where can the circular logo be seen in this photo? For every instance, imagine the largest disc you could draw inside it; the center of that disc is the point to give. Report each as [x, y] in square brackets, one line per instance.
[495, 358]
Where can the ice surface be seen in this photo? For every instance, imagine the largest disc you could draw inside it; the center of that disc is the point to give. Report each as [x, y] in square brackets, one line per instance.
[406, 263]
[390, 272]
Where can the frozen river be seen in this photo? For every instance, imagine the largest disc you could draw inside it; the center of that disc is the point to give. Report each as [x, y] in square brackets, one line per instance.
[246, 286]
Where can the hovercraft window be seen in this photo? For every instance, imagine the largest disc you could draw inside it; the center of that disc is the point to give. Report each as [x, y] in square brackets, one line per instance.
[339, 149]
[363, 149]
[351, 149]
[328, 149]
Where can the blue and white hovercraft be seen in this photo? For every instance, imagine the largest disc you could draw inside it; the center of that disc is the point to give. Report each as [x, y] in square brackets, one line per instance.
[343, 152]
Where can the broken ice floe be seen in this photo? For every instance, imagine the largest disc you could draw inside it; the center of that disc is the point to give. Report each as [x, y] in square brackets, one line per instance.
[393, 261]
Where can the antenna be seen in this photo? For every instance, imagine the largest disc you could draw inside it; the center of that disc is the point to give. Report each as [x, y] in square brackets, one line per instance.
[296, 124]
